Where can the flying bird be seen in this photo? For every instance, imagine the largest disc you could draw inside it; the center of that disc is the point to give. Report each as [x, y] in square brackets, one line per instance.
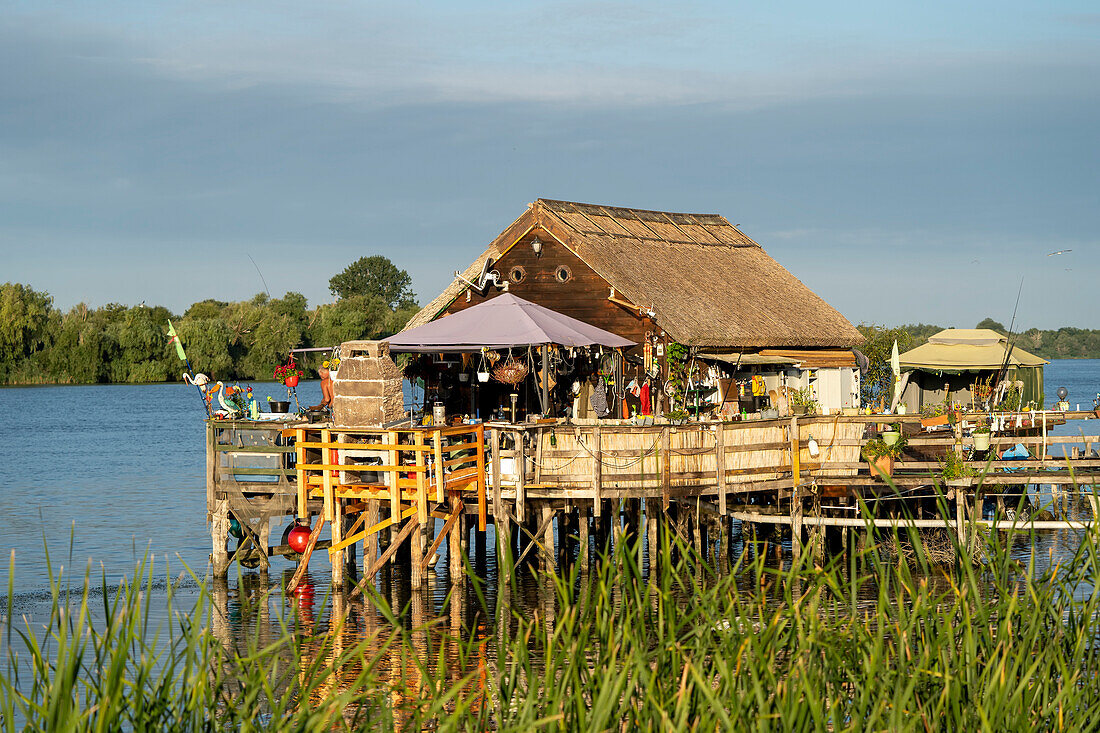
[1059, 252]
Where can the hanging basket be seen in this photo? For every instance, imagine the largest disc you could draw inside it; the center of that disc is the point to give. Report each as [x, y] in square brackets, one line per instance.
[291, 381]
[511, 371]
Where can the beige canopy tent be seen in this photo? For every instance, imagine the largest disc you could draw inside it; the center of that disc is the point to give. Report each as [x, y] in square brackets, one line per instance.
[955, 358]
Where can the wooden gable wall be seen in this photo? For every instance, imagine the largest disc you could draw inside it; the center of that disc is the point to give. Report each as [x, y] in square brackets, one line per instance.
[583, 296]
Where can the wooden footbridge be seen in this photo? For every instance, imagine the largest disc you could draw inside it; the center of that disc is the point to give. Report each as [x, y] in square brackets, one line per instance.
[383, 489]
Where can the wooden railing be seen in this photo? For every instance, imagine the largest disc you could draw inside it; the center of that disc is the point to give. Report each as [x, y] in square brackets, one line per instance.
[418, 467]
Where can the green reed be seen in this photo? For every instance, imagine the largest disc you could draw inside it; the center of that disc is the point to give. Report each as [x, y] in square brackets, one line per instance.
[863, 643]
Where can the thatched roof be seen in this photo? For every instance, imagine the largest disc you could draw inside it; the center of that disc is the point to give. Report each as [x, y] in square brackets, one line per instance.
[707, 282]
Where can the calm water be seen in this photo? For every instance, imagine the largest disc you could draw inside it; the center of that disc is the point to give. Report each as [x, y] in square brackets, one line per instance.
[103, 475]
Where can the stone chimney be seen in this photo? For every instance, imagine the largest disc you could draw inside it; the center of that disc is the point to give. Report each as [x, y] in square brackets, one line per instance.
[367, 387]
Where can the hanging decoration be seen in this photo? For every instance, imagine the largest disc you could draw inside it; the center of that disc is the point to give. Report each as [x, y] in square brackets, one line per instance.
[511, 371]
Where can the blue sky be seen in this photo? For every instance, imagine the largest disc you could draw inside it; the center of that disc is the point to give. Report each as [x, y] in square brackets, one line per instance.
[909, 162]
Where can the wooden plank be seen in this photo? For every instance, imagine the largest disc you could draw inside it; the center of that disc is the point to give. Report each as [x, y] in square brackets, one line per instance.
[440, 468]
[393, 477]
[498, 503]
[303, 564]
[369, 446]
[421, 483]
[397, 468]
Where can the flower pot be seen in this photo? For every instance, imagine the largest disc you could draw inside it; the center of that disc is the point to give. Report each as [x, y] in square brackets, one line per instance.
[291, 381]
[981, 441]
[881, 466]
[483, 376]
[798, 409]
[889, 437]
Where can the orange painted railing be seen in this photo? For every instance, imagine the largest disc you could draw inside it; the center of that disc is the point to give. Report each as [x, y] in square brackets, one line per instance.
[421, 467]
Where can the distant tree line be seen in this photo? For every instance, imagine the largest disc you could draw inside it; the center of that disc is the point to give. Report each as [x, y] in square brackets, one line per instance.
[40, 344]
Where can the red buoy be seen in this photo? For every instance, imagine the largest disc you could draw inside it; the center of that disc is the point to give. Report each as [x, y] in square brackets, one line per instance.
[298, 537]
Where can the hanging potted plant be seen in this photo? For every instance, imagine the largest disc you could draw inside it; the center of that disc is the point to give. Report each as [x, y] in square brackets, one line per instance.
[288, 374]
[981, 438]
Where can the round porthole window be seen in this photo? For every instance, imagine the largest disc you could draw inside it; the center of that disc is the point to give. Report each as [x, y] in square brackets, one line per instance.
[563, 274]
[517, 274]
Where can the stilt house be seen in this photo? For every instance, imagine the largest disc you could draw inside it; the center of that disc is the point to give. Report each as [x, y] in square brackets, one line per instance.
[662, 277]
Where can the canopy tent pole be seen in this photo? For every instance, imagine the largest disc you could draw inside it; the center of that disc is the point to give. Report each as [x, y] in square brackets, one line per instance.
[544, 382]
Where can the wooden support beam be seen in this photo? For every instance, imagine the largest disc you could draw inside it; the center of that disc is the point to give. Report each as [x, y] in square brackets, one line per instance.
[406, 530]
[520, 463]
[482, 504]
[303, 486]
[720, 465]
[666, 468]
[597, 471]
[440, 468]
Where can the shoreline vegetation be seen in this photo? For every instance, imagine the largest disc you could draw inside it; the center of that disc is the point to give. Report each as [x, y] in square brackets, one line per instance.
[866, 642]
[243, 340]
[118, 344]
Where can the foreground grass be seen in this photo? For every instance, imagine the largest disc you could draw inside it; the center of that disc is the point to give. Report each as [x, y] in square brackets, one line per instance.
[868, 645]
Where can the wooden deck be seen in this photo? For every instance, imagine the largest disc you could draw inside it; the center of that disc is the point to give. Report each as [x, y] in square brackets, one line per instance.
[385, 489]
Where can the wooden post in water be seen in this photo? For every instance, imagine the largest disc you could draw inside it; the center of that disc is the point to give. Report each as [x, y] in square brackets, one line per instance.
[416, 557]
[583, 538]
[456, 566]
[219, 532]
[547, 539]
[652, 525]
[370, 542]
[796, 493]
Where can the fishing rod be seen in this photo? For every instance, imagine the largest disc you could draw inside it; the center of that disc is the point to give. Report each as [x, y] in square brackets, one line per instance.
[1011, 338]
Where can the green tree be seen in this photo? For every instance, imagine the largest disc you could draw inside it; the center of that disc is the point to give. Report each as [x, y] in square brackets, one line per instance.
[993, 325]
[878, 382]
[375, 276]
[24, 323]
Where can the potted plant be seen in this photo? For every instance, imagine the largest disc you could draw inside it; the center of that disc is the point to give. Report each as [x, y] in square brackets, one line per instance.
[892, 434]
[880, 455]
[803, 402]
[954, 471]
[288, 374]
[981, 438]
[677, 417]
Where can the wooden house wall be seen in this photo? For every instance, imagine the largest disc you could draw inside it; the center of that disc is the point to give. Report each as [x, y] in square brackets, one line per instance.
[583, 297]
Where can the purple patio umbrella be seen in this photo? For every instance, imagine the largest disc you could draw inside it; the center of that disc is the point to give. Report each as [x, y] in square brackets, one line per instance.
[499, 323]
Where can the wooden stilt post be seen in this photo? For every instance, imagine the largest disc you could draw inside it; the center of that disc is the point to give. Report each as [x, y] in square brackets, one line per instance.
[583, 536]
[597, 473]
[337, 524]
[720, 465]
[520, 462]
[796, 523]
[502, 523]
[796, 493]
[219, 531]
[547, 539]
[652, 525]
[370, 542]
[416, 557]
